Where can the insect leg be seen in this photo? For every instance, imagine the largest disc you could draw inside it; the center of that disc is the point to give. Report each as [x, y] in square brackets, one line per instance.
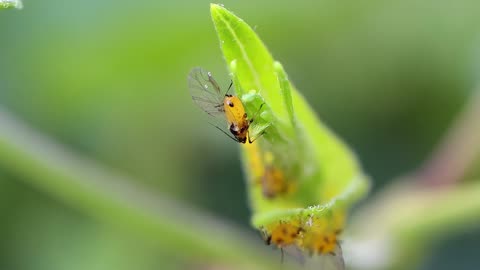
[261, 134]
[256, 114]
[230, 136]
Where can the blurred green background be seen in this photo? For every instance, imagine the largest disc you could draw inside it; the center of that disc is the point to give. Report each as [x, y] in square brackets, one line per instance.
[108, 80]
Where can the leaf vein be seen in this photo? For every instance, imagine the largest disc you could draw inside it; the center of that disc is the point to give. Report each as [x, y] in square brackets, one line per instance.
[258, 83]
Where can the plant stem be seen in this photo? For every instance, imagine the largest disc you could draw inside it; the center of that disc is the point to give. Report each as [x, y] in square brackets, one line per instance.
[457, 151]
[114, 198]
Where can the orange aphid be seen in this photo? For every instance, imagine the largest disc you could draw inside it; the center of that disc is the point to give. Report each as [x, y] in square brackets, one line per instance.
[273, 180]
[320, 243]
[236, 118]
[273, 183]
[206, 93]
[283, 234]
[321, 235]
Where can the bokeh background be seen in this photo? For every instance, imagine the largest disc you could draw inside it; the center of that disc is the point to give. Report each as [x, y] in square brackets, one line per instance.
[107, 79]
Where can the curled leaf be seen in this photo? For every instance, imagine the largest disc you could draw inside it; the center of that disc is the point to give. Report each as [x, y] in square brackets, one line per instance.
[299, 172]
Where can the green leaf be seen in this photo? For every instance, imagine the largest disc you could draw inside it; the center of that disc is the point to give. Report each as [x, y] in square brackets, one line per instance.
[11, 4]
[320, 175]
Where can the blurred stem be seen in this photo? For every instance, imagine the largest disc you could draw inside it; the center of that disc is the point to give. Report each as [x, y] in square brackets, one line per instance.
[115, 199]
[414, 213]
[457, 151]
[403, 220]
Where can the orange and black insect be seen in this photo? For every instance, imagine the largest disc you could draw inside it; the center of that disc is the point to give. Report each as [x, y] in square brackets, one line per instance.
[318, 240]
[206, 93]
[273, 181]
[322, 243]
[284, 235]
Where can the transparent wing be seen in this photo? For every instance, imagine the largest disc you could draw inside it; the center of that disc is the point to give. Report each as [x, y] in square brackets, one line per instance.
[333, 261]
[336, 260]
[294, 254]
[206, 93]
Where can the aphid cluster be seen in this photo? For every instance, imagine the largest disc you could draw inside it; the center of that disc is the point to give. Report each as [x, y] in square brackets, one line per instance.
[314, 236]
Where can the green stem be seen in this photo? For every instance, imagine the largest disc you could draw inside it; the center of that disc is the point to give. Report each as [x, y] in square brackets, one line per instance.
[457, 151]
[113, 198]
[415, 213]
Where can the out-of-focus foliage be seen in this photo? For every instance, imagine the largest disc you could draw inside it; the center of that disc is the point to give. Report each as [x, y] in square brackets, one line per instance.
[10, 4]
[107, 79]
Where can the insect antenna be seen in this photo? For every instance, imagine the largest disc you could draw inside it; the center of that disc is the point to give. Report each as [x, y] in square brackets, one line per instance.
[229, 87]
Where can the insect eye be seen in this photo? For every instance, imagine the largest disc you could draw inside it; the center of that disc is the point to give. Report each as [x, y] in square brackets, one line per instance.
[230, 104]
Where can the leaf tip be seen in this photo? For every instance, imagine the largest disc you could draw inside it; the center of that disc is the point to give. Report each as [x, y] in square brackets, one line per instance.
[216, 8]
[219, 12]
[277, 65]
[233, 65]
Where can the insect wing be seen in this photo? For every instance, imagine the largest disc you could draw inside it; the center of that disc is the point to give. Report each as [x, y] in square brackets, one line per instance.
[336, 260]
[293, 253]
[333, 261]
[205, 91]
